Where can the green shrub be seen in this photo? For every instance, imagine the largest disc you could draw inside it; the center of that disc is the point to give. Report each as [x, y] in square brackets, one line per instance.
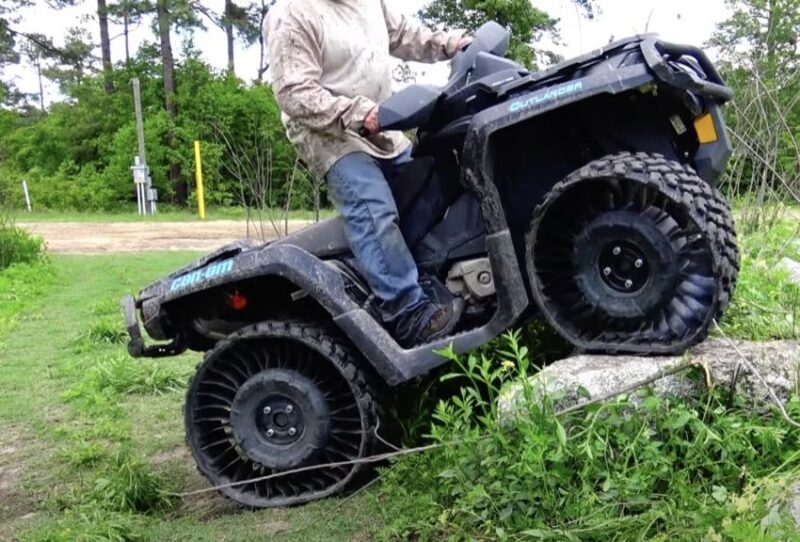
[17, 246]
[645, 469]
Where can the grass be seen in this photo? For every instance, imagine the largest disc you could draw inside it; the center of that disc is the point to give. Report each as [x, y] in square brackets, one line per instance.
[99, 436]
[165, 214]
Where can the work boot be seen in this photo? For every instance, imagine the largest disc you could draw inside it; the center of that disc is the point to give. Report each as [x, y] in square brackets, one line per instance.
[430, 322]
[443, 322]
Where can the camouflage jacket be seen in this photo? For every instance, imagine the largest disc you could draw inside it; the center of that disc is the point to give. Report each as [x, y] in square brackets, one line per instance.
[330, 64]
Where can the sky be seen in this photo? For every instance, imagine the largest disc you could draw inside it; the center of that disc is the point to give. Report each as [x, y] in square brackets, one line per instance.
[687, 21]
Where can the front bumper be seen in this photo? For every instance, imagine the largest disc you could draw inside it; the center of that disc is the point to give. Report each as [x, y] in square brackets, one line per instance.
[136, 345]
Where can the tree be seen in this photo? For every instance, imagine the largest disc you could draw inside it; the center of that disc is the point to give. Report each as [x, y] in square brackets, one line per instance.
[765, 32]
[72, 62]
[36, 54]
[235, 21]
[258, 12]
[526, 22]
[128, 13]
[168, 70]
[8, 42]
[760, 50]
[105, 47]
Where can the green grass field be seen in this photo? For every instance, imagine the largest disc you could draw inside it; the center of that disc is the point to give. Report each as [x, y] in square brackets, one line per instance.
[72, 403]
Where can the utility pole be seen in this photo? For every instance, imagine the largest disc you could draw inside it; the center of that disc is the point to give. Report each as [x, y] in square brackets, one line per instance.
[145, 188]
[137, 104]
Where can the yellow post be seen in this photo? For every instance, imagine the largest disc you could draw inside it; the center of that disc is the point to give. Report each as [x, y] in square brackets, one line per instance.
[201, 198]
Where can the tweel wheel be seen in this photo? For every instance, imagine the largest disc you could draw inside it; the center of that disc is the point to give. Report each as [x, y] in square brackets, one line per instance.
[279, 397]
[633, 254]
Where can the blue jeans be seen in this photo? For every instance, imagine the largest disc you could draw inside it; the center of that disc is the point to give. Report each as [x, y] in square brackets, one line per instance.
[358, 188]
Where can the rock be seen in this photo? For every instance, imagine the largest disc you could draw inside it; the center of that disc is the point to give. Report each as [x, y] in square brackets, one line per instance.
[793, 507]
[583, 378]
[792, 267]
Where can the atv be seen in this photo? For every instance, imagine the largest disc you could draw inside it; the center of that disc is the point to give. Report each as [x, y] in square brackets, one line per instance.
[583, 194]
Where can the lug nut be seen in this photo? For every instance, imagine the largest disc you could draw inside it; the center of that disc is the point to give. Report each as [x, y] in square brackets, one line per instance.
[267, 410]
[292, 431]
[607, 271]
[617, 251]
[289, 409]
[628, 284]
[270, 433]
[485, 278]
[638, 263]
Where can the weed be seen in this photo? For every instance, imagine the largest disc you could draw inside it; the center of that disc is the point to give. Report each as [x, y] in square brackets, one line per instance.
[83, 454]
[107, 330]
[129, 485]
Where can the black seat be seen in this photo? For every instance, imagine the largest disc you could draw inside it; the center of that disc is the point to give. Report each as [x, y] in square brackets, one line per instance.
[327, 238]
[324, 239]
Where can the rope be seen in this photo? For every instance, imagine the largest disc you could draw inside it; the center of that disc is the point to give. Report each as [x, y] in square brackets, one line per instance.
[360, 461]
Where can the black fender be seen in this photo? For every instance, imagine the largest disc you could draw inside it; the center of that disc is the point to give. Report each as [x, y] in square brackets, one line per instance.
[325, 285]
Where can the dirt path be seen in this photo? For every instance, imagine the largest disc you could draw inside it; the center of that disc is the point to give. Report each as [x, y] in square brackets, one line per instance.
[102, 238]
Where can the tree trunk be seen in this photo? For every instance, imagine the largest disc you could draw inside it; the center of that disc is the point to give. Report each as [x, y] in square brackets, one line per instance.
[41, 86]
[228, 24]
[105, 47]
[127, 42]
[164, 23]
[262, 62]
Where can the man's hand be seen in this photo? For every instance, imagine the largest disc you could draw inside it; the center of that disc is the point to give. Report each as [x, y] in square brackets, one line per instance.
[463, 42]
[371, 124]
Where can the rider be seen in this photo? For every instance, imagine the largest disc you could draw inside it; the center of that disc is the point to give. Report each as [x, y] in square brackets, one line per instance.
[330, 67]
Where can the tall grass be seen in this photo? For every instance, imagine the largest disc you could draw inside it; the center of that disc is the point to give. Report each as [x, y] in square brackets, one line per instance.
[16, 245]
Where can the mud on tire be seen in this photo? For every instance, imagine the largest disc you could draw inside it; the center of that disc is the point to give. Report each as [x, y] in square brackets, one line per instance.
[276, 397]
[633, 254]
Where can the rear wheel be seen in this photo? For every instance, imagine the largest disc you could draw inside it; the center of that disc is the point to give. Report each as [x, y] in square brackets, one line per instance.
[279, 397]
[633, 253]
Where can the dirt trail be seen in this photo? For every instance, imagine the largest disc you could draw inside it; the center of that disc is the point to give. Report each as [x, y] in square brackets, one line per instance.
[102, 238]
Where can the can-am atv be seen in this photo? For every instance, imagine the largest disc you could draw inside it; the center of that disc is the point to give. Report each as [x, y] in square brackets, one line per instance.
[584, 194]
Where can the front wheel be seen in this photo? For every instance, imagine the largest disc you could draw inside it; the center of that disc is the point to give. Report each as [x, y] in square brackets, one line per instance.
[275, 398]
[633, 254]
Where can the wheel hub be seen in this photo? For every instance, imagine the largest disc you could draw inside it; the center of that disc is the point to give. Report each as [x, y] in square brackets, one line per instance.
[282, 422]
[280, 419]
[624, 266]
